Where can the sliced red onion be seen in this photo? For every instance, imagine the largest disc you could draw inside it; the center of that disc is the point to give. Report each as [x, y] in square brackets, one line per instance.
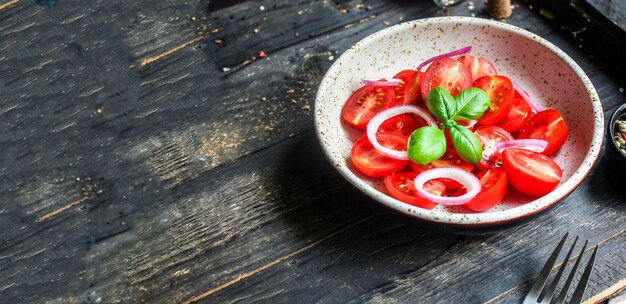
[392, 82]
[536, 108]
[462, 51]
[378, 119]
[468, 180]
[535, 145]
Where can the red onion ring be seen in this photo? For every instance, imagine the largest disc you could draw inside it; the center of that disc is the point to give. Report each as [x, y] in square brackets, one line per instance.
[536, 107]
[535, 145]
[462, 51]
[378, 119]
[468, 180]
[391, 82]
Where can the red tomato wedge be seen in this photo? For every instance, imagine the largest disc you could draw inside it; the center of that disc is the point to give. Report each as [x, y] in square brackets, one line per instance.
[365, 103]
[403, 124]
[519, 114]
[548, 125]
[500, 91]
[493, 183]
[490, 137]
[478, 66]
[449, 159]
[531, 173]
[401, 187]
[408, 91]
[370, 162]
[447, 73]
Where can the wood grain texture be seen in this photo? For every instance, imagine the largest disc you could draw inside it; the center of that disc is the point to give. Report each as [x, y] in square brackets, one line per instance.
[199, 182]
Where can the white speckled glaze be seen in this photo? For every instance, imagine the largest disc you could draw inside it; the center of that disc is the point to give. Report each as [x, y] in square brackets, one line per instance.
[551, 78]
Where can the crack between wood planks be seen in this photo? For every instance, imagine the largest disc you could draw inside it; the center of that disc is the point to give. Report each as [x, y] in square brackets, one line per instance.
[3, 6]
[610, 238]
[607, 293]
[153, 59]
[248, 274]
[68, 206]
[147, 61]
[248, 61]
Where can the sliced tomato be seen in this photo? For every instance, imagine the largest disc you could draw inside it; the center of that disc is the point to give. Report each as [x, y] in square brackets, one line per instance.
[447, 73]
[365, 103]
[519, 114]
[401, 187]
[370, 162]
[531, 173]
[450, 158]
[490, 137]
[548, 125]
[408, 91]
[401, 124]
[478, 66]
[493, 188]
[500, 91]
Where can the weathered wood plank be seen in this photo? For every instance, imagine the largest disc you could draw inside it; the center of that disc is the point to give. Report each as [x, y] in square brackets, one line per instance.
[474, 270]
[184, 186]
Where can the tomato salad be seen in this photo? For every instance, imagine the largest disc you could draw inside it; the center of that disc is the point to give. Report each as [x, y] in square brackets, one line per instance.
[456, 133]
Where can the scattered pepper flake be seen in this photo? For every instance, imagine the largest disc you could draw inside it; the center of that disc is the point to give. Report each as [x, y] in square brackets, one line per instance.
[306, 107]
[343, 11]
[289, 91]
[217, 41]
[263, 98]
[385, 22]
[215, 30]
[193, 18]
[294, 101]
[262, 54]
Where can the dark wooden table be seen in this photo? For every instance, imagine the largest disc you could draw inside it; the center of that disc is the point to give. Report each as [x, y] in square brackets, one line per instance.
[163, 152]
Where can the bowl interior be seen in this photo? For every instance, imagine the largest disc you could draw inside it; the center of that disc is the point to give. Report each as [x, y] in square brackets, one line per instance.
[546, 73]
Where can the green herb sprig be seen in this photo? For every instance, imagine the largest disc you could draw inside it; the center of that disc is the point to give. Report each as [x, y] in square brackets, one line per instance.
[428, 144]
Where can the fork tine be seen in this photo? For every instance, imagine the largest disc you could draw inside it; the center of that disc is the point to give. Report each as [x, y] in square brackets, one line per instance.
[535, 290]
[572, 273]
[582, 284]
[557, 278]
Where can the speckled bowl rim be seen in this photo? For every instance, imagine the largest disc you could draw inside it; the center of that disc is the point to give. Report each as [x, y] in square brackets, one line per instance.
[470, 219]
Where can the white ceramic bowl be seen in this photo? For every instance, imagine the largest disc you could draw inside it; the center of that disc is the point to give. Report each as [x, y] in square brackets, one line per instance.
[551, 77]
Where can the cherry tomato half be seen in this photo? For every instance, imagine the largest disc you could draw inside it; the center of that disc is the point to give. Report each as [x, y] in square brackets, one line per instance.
[401, 124]
[493, 189]
[408, 91]
[548, 125]
[520, 113]
[370, 162]
[365, 103]
[500, 91]
[447, 73]
[478, 66]
[531, 173]
[490, 137]
[401, 187]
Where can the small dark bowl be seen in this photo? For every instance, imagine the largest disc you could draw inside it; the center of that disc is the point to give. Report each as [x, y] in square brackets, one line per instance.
[616, 160]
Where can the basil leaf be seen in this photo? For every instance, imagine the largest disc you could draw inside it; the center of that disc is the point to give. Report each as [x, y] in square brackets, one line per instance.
[426, 144]
[441, 103]
[466, 144]
[472, 103]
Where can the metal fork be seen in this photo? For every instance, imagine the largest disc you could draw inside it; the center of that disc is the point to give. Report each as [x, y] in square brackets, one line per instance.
[535, 291]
